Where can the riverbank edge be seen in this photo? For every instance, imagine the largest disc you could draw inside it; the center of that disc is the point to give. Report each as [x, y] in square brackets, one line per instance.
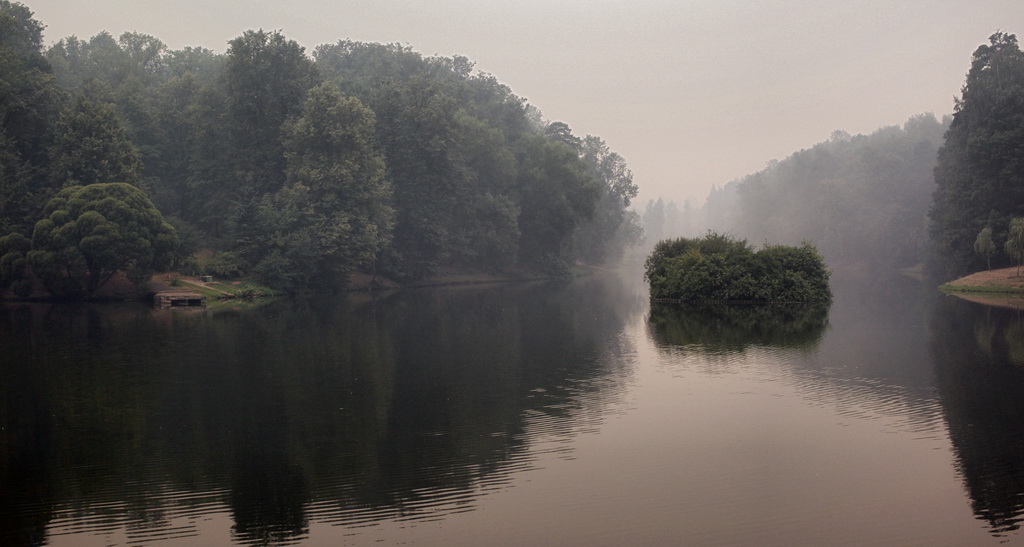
[120, 289]
[1002, 288]
[1001, 281]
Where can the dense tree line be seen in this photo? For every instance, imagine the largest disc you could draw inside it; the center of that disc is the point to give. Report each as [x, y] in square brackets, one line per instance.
[861, 199]
[980, 172]
[941, 193]
[301, 168]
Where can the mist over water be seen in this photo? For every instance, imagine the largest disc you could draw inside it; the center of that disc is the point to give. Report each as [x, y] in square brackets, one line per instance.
[523, 414]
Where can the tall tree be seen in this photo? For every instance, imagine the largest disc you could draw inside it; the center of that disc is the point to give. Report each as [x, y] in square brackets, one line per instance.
[605, 236]
[485, 231]
[1015, 242]
[556, 194]
[332, 150]
[29, 102]
[267, 77]
[980, 172]
[92, 146]
[984, 246]
[418, 132]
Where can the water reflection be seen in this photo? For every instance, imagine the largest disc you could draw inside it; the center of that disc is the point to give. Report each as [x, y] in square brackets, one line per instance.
[866, 356]
[132, 424]
[979, 365]
[734, 327]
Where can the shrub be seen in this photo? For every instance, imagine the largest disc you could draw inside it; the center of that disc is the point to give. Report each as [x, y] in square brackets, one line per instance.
[718, 268]
[227, 264]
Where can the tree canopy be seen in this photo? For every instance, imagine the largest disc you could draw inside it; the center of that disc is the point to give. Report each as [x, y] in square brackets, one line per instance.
[301, 169]
[862, 199]
[89, 233]
[29, 102]
[979, 176]
[716, 267]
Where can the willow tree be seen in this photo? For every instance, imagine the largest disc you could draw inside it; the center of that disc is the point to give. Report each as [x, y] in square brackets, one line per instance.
[984, 246]
[1015, 242]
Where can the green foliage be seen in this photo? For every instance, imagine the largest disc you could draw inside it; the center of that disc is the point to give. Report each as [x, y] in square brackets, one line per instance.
[981, 165]
[19, 32]
[606, 235]
[228, 265]
[724, 327]
[332, 151]
[14, 274]
[716, 267]
[862, 198]
[1015, 242]
[267, 77]
[984, 246]
[283, 240]
[401, 163]
[556, 195]
[477, 182]
[418, 132]
[28, 107]
[92, 146]
[89, 233]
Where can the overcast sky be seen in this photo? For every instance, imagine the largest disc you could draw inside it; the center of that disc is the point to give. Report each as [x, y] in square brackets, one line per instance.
[692, 93]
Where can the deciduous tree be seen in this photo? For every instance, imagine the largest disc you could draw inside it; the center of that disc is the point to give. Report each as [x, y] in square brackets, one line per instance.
[980, 172]
[332, 150]
[91, 146]
[89, 233]
[266, 77]
[1015, 242]
[984, 245]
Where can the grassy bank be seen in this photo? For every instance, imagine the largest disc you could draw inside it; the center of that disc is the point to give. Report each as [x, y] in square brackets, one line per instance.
[1002, 281]
[212, 290]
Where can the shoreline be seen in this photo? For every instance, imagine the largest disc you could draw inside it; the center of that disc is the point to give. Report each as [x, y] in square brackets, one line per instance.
[120, 289]
[1002, 288]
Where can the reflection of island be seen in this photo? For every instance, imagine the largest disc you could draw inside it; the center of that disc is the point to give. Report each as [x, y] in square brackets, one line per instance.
[979, 366]
[292, 412]
[734, 327]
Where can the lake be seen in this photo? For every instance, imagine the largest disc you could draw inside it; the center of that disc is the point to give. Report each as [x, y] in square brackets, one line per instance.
[524, 414]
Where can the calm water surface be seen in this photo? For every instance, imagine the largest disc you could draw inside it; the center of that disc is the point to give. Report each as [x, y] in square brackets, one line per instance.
[515, 415]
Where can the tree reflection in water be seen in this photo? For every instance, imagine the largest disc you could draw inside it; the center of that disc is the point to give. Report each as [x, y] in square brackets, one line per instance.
[978, 353]
[124, 420]
[734, 327]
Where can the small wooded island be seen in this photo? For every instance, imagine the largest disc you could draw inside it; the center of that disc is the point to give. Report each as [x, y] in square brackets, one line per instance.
[717, 267]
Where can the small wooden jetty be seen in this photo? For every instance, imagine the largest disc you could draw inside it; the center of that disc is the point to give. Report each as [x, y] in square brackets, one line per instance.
[175, 299]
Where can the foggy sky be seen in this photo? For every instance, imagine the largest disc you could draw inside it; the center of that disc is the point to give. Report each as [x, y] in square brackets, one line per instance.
[692, 93]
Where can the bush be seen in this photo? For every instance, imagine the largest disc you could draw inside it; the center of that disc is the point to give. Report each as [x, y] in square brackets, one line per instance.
[719, 268]
[227, 264]
[190, 266]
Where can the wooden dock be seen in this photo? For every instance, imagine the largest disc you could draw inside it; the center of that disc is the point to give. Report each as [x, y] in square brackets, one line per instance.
[175, 299]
